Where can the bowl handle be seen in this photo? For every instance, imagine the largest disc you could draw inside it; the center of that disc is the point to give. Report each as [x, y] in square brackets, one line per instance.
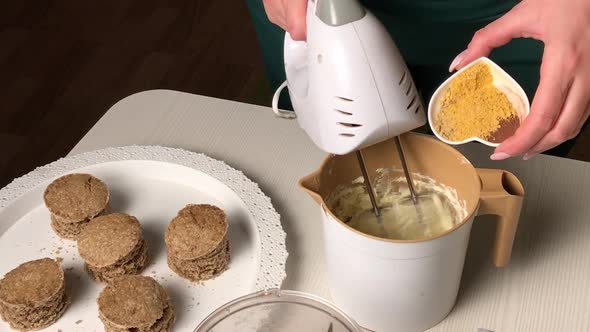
[502, 195]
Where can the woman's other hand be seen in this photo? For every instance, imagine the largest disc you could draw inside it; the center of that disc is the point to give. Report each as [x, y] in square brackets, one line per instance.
[561, 103]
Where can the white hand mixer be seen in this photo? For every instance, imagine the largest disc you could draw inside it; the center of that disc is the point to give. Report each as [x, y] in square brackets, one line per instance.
[349, 85]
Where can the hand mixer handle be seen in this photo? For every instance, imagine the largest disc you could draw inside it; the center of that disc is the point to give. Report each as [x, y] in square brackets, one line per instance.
[296, 57]
[295, 53]
[296, 65]
[296, 70]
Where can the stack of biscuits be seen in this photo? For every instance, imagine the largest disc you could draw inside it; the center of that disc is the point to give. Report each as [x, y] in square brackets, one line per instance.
[73, 200]
[198, 247]
[33, 296]
[112, 246]
[135, 303]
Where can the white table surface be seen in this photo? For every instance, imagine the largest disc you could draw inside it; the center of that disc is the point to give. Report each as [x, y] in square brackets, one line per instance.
[546, 287]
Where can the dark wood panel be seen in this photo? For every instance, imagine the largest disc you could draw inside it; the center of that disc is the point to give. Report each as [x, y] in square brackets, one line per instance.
[64, 63]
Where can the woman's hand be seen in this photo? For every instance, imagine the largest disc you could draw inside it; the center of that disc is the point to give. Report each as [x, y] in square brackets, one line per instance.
[561, 103]
[289, 15]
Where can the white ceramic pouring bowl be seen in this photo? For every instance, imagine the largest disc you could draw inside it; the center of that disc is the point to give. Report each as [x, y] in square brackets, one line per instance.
[502, 80]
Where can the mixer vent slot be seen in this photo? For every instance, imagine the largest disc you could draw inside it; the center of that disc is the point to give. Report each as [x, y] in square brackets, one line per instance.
[347, 135]
[411, 103]
[348, 100]
[403, 79]
[343, 112]
[409, 89]
[350, 125]
[418, 108]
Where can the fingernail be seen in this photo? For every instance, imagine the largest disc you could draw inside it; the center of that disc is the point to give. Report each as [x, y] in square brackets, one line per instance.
[529, 156]
[457, 61]
[500, 156]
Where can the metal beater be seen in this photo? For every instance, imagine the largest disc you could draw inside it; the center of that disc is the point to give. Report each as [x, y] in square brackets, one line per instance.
[367, 180]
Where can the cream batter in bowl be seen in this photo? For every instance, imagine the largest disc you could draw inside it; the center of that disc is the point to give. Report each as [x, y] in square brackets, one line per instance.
[440, 208]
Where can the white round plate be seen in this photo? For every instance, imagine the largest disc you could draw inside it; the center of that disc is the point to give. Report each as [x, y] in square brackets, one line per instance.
[151, 183]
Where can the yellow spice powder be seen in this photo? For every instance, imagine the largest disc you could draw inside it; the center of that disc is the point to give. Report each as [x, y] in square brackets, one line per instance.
[473, 106]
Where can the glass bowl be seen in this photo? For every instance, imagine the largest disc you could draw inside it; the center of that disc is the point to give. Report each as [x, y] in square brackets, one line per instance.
[277, 310]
